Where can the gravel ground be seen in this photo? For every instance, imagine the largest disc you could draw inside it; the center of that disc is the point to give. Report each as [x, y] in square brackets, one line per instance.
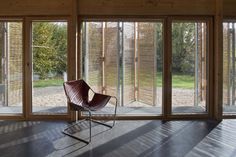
[55, 96]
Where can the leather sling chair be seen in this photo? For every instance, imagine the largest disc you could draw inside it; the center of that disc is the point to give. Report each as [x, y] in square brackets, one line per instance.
[77, 92]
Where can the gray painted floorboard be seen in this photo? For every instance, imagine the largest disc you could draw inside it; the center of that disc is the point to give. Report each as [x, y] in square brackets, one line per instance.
[126, 139]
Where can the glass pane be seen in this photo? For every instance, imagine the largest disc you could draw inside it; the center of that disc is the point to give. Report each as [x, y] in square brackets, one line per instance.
[49, 47]
[11, 74]
[127, 58]
[229, 106]
[189, 67]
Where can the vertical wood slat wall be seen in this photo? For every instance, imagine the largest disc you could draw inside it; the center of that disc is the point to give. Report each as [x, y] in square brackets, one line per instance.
[92, 52]
[129, 62]
[146, 63]
[117, 47]
[218, 62]
[100, 52]
[111, 53]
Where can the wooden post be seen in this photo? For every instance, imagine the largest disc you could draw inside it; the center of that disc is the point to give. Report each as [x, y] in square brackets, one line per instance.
[74, 70]
[135, 62]
[196, 91]
[233, 64]
[167, 91]
[155, 64]
[103, 57]
[228, 64]
[27, 88]
[218, 60]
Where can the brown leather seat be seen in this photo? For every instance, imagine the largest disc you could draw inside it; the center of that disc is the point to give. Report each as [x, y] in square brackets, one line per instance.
[77, 92]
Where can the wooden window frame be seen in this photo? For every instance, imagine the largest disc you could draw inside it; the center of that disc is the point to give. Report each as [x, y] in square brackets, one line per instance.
[18, 116]
[167, 55]
[29, 115]
[209, 90]
[227, 19]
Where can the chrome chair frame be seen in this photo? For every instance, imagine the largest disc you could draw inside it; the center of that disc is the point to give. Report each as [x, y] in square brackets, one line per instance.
[89, 119]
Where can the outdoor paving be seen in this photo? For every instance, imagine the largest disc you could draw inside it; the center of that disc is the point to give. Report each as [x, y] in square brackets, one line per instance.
[49, 96]
[53, 99]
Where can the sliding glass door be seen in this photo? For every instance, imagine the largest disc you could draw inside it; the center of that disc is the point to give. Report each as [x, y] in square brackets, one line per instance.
[118, 58]
[189, 67]
[49, 60]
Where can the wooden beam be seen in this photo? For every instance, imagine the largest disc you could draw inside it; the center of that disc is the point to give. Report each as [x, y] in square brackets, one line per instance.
[35, 7]
[229, 8]
[27, 58]
[73, 54]
[167, 80]
[218, 60]
[146, 7]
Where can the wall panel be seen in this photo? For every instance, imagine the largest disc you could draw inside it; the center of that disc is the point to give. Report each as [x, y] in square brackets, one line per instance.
[229, 7]
[35, 7]
[146, 7]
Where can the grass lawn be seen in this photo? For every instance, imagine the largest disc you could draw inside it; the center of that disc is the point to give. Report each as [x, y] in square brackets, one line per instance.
[48, 82]
[183, 81]
[178, 81]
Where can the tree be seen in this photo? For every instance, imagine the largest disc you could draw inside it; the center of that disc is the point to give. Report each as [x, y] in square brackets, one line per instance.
[43, 50]
[159, 47]
[59, 41]
[183, 47]
[49, 48]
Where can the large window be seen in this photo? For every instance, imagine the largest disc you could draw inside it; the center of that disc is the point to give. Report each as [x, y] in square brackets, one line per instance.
[11, 73]
[189, 67]
[124, 59]
[49, 59]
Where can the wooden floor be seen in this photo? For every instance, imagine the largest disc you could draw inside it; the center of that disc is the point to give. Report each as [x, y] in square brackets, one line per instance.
[126, 139]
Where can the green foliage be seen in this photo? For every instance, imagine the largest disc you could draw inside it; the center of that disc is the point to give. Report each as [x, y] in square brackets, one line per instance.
[49, 48]
[183, 47]
[159, 46]
[178, 81]
[59, 39]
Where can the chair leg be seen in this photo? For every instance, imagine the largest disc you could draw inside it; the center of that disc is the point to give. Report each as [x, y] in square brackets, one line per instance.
[95, 121]
[75, 137]
[114, 118]
[90, 126]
